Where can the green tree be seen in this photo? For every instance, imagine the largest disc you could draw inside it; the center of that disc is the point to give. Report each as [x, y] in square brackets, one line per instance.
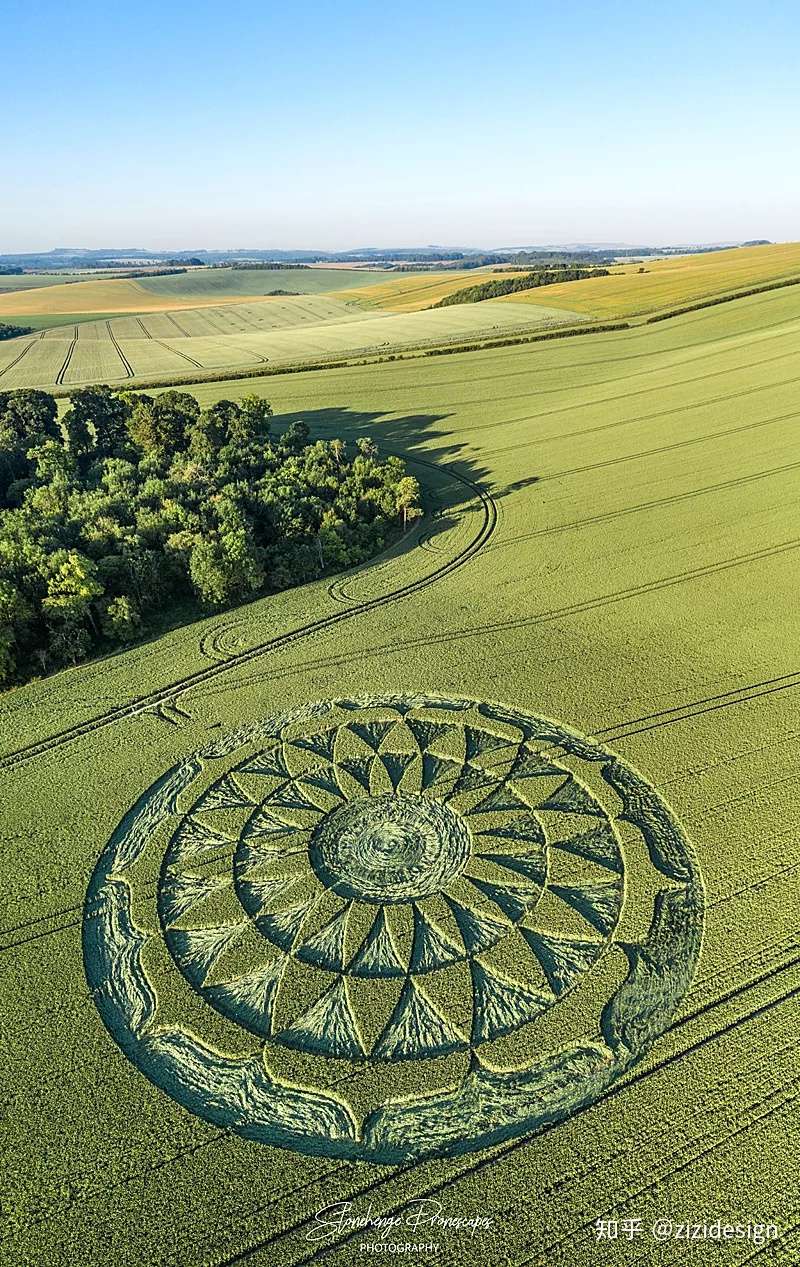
[72, 587]
[407, 496]
[14, 615]
[161, 424]
[101, 414]
[121, 619]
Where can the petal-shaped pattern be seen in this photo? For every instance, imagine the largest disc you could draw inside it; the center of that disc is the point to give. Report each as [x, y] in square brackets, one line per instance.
[194, 841]
[532, 765]
[417, 1028]
[200, 948]
[427, 733]
[563, 959]
[224, 794]
[438, 772]
[481, 742]
[181, 891]
[598, 903]
[395, 765]
[533, 866]
[432, 948]
[328, 1026]
[372, 733]
[378, 956]
[282, 927]
[513, 900]
[272, 763]
[501, 801]
[500, 1004]
[321, 744]
[598, 845]
[571, 798]
[326, 947]
[479, 929]
[251, 997]
[359, 770]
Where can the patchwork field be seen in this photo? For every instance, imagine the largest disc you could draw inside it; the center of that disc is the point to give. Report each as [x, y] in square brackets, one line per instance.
[229, 322]
[236, 335]
[411, 292]
[669, 283]
[611, 542]
[10, 282]
[180, 290]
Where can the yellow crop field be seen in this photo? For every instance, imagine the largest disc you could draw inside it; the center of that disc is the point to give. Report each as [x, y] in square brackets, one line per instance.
[190, 289]
[410, 292]
[671, 282]
[84, 297]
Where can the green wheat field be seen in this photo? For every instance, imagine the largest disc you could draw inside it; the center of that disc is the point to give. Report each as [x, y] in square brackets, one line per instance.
[610, 547]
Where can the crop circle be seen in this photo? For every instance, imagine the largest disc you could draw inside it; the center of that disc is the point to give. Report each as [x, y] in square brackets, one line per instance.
[390, 848]
[406, 888]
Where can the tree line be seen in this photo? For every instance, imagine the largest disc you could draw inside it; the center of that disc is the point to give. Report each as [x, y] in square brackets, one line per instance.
[509, 285]
[12, 332]
[132, 508]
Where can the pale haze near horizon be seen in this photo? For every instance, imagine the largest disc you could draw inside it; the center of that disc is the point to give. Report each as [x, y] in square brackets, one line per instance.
[527, 124]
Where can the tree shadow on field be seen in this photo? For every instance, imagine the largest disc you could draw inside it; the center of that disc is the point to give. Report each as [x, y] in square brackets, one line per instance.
[414, 438]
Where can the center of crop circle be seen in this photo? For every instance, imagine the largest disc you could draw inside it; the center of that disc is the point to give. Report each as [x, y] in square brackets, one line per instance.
[392, 848]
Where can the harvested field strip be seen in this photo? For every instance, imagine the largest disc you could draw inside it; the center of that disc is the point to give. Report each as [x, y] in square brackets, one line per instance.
[324, 337]
[672, 283]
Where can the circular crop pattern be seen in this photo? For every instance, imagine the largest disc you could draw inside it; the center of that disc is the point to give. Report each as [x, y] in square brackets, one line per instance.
[391, 927]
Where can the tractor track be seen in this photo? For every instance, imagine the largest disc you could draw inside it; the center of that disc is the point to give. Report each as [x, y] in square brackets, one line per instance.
[383, 1181]
[125, 362]
[167, 347]
[181, 331]
[467, 632]
[59, 379]
[211, 672]
[19, 357]
[222, 1137]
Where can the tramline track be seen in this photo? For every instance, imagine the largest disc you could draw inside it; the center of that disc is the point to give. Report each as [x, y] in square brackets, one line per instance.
[211, 672]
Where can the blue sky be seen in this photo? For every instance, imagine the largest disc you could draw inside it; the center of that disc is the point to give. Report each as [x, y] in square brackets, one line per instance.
[339, 124]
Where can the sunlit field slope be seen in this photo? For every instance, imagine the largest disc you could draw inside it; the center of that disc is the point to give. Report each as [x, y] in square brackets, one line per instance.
[612, 540]
[670, 283]
[410, 292]
[180, 290]
[34, 281]
[233, 336]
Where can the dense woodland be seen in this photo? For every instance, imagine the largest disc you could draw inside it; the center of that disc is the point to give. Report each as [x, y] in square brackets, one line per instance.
[132, 507]
[509, 285]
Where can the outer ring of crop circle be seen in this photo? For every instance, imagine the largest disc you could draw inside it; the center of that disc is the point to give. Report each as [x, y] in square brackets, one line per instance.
[131, 1020]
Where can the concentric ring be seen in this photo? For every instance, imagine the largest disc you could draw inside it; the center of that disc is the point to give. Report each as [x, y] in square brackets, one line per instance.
[397, 878]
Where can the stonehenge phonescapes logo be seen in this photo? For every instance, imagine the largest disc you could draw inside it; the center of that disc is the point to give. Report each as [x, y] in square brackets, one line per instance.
[390, 927]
